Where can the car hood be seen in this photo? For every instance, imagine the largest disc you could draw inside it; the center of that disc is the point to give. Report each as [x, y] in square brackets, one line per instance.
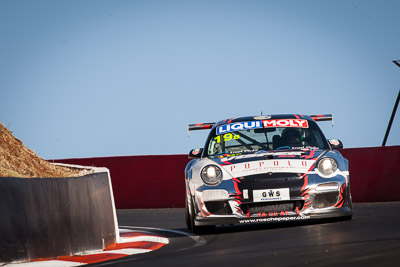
[288, 161]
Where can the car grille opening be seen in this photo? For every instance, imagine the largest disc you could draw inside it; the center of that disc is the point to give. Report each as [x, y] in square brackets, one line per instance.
[325, 200]
[218, 207]
[269, 177]
[266, 207]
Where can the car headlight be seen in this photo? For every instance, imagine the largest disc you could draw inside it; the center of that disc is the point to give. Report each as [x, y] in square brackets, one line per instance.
[211, 175]
[327, 166]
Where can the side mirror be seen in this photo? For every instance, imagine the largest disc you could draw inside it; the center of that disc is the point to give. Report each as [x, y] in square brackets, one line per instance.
[335, 143]
[195, 153]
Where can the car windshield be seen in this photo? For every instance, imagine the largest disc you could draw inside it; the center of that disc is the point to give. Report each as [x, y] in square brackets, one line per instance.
[246, 137]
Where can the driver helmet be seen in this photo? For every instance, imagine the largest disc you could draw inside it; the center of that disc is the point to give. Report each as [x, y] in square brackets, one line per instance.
[291, 136]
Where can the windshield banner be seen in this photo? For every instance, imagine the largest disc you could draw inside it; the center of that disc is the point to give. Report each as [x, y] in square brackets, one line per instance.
[239, 126]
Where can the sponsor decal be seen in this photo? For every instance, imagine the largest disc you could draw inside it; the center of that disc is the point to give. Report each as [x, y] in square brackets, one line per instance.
[274, 214]
[225, 156]
[286, 123]
[305, 147]
[237, 156]
[271, 195]
[238, 126]
[265, 166]
[276, 219]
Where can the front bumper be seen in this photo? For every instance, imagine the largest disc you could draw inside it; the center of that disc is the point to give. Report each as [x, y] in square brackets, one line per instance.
[308, 197]
[200, 220]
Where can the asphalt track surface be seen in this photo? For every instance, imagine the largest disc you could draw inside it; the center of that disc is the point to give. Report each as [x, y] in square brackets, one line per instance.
[371, 238]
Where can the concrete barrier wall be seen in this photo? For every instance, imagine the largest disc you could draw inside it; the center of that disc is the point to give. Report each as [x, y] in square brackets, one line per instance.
[143, 181]
[158, 181]
[48, 217]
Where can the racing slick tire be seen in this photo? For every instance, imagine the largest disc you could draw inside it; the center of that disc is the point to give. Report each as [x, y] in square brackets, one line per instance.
[187, 216]
[190, 214]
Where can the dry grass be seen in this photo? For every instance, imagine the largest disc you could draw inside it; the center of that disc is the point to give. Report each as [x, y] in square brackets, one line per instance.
[16, 160]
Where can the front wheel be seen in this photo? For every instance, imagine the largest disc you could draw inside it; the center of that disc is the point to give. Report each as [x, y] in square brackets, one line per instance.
[190, 215]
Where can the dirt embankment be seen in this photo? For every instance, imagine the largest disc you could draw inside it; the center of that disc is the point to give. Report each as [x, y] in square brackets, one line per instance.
[16, 160]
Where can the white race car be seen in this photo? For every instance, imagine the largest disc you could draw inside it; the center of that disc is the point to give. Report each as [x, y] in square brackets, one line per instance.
[258, 169]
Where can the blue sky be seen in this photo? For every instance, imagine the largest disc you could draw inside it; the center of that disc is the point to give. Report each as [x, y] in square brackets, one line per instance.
[113, 78]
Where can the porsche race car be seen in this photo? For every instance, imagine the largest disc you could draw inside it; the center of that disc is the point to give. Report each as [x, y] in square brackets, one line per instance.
[261, 169]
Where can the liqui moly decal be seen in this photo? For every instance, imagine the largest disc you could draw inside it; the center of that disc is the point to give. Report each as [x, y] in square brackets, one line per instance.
[286, 123]
[238, 126]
